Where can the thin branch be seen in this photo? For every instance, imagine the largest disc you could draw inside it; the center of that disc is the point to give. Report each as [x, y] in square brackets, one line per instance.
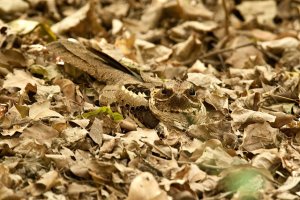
[269, 54]
[220, 51]
[226, 17]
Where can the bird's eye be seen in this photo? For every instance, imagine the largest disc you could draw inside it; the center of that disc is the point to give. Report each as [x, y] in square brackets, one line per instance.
[165, 91]
[192, 92]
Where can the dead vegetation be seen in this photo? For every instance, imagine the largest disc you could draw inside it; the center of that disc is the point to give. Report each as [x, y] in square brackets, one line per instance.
[58, 139]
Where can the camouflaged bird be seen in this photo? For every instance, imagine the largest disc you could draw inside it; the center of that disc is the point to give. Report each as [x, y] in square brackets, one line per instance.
[174, 103]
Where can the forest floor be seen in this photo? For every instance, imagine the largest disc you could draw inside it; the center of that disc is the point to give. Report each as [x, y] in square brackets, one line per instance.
[239, 58]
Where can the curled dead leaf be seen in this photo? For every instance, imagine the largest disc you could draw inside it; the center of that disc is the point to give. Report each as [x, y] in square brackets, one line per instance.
[144, 186]
[47, 181]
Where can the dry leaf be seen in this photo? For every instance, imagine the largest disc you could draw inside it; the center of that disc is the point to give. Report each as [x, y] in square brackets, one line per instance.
[42, 110]
[260, 136]
[75, 134]
[188, 51]
[11, 58]
[41, 133]
[13, 6]
[19, 79]
[96, 131]
[150, 53]
[6, 193]
[151, 16]
[242, 58]
[140, 135]
[241, 116]
[189, 9]
[281, 44]
[76, 189]
[185, 29]
[84, 21]
[203, 80]
[263, 11]
[47, 181]
[22, 26]
[144, 186]
[266, 158]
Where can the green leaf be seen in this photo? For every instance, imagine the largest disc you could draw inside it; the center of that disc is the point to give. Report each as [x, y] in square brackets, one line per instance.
[246, 181]
[38, 69]
[117, 116]
[45, 27]
[105, 110]
[90, 114]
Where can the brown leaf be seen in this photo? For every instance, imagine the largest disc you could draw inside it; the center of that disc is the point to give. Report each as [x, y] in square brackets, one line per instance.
[193, 11]
[144, 186]
[19, 79]
[84, 21]
[75, 134]
[260, 136]
[290, 156]
[188, 51]
[266, 158]
[47, 181]
[67, 87]
[41, 133]
[13, 7]
[149, 52]
[11, 58]
[216, 157]
[289, 184]
[280, 45]
[96, 131]
[41, 110]
[263, 11]
[77, 189]
[151, 16]
[241, 116]
[11, 118]
[185, 29]
[241, 56]
[6, 193]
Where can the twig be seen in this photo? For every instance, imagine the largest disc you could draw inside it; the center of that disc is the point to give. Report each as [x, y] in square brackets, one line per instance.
[282, 97]
[226, 17]
[222, 61]
[219, 51]
[269, 54]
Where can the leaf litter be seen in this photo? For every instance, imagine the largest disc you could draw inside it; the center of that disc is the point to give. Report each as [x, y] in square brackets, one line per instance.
[58, 140]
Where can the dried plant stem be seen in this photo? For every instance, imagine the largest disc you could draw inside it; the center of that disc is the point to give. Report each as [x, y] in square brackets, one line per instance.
[219, 51]
[226, 17]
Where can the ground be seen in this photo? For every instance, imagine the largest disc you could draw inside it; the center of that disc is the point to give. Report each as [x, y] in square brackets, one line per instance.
[59, 141]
